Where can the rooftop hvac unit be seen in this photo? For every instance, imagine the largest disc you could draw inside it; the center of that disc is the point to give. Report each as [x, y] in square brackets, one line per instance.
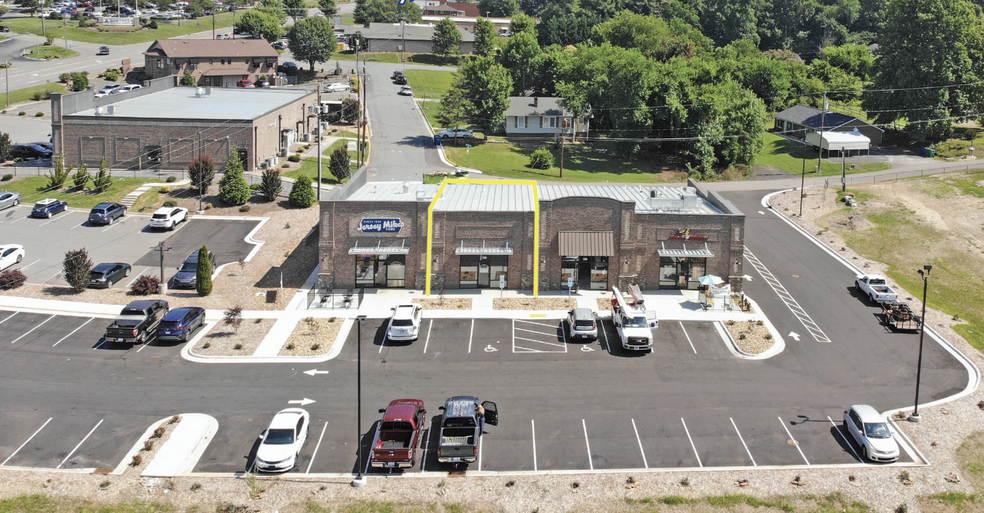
[111, 109]
[99, 111]
[199, 92]
[208, 91]
[306, 137]
[270, 162]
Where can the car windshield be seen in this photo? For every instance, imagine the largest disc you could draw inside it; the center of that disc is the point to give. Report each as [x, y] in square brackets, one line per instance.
[877, 430]
[402, 322]
[98, 211]
[160, 216]
[279, 437]
[584, 324]
[636, 322]
[170, 324]
[189, 267]
[96, 275]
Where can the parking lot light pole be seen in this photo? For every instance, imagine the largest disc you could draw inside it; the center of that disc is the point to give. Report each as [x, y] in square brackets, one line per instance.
[915, 417]
[161, 249]
[359, 480]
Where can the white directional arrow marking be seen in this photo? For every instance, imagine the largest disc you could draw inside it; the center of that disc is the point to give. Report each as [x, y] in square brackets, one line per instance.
[795, 335]
[760, 212]
[302, 402]
[747, 278]
[312, 372]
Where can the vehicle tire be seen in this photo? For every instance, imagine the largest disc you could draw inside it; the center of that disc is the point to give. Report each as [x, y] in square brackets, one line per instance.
[171, 228]
[871, 297]
[16, 202]
[110, 222]
[126, 273]
[19, 258]
[864, 454]
[109, 284]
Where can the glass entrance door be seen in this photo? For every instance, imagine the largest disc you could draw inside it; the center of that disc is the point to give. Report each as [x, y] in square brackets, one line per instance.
[482, 271]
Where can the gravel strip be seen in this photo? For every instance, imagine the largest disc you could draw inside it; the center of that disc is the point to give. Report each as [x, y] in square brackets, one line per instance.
[222, 339]
[312, 337]
[751, 337]
[430, 303]
[534, 303]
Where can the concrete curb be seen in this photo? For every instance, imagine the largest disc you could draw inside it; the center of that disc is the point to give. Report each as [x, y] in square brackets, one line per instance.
[181, 452]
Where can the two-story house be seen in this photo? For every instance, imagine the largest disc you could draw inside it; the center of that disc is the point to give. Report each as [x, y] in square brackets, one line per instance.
[213, 62]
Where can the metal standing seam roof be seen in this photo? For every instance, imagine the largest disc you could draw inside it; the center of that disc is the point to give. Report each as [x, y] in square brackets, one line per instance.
[461, 197]
[394, 191]
[640, 195]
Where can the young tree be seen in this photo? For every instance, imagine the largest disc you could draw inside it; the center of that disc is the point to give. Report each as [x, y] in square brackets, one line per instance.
[328, 8]
[487, 89]
[484, 38]
[81, 177]
[301, 193]
[188, 79]
[58, 174]
[386, 11]
[521, 56]
[30, 6]
[274, 8]
[312, 40]
[6, 149]
[498, 8]
[454, 107]
[76, 268]
[103, 179]
[522, 23]
[296, 9]
[259, 21]
[271, 185]
[203, 273]
[233, 189]
[340, 163]
[447, 39]
[201, 171]
[233, 317]
[79, 81]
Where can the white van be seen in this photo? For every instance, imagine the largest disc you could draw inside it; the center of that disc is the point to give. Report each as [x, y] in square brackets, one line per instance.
[129, 87]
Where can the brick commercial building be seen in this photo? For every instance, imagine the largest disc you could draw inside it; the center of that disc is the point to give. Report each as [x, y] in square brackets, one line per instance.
[390, 37]
[212, 62]
[164, 126]
[375, 234]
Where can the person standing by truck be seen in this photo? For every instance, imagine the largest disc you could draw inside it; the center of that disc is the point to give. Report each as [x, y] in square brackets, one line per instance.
[480, 411]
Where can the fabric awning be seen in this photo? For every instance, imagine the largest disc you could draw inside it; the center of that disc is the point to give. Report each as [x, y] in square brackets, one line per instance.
[688, 251]
[586, 243]
[484, 249]
[380, 249]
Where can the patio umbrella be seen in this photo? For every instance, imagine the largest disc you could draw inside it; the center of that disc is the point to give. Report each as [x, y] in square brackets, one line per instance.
[710, 279]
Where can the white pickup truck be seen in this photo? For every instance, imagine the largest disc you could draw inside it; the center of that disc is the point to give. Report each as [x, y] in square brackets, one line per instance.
[875, 287]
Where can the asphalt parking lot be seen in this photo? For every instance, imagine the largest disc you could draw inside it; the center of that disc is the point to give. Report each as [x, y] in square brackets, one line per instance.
[129, 240]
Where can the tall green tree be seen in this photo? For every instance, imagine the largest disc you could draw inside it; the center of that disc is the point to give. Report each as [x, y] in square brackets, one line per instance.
[296, 9]
[340, 164]
[104, 178]
[6, 149]
[447, 39]
[655, 37]
[76, 268]
[386, 11]
[488, 86]
[203, 273]
[498, 8]
[453, 111]
[312, 40]
[81, 177]
[29, 6]
[233, 189]
[274, 8]
[521, 55]
[328, 8]
[522, 23]
[259, 21]
[484, 38]
[927, 48]
[725, 109]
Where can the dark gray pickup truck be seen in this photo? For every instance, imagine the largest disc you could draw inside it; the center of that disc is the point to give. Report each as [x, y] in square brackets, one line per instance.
[461, 428]
[137, 323]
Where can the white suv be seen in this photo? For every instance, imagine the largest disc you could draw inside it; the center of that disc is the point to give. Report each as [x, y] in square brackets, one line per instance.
[405, 323]
[168, 217]
[871, 432]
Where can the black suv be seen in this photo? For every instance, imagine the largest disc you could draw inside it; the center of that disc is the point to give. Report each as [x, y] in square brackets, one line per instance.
[401, 79]
[187, 275]
[30, 151]
[4, 28]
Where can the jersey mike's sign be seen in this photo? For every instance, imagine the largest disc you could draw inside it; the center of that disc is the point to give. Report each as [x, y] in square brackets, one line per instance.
[391, 225]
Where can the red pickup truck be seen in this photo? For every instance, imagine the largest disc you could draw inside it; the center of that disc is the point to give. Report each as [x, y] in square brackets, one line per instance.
[398, 434]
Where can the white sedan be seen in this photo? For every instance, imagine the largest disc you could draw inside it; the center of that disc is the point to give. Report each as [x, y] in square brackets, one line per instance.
[168, 217]
[337, 87]
[282, 441]
[405, 323]
[10, 254]
[456, 132]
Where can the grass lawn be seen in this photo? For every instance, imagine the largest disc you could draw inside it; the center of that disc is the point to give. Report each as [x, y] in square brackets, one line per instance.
[123, 37]
[788, 156]
[309, 166]
[51, 52]
[581, 164]
[429, 83]
[345, 133]
[27, 94]
[393, 58]
[31, 190]
[430, 110]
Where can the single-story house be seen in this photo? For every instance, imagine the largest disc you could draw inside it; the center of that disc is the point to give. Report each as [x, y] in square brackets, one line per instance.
[213, 62]
[799, 120]
[541, 117]
[468, 22]
[442, 8]
[389, 37]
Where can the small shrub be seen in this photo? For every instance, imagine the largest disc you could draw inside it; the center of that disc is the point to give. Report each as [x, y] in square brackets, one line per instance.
[170, 203]
[145, 285]
[206, 345]
[174, 419]
[11, 279]
[7, 177]
[208, 206]
[159, 432]
[148, 445]
[301, 194]
[285, 165]
[768, 336]
[244, 208]
[22, 113]
[742, 336]
[237, 347]
[294, 158]
[256, 187]
[165, 189]
[541, 159]
[196, 486]
[152, 25]
[137, 460]
[171, 179]
[290, 346]
[105, 484]
[315, 347]
[39, 115]
[257, 321]
[685, 481]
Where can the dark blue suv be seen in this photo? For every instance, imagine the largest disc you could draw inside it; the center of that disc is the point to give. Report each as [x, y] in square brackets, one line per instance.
[106, 213]
[187, 275]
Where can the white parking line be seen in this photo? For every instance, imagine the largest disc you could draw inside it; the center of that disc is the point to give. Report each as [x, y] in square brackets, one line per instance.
[8, 317]
[99, 344]
[137, 276]
[26, 441]
[586, 444]
[18, 219]
[691, 442]
[427, 341]
[846, 441]
[78, 225]
[554, 334]
[604, 335]
[34, 328]
[381, 344]
[641, 450]
[795, 442]
[142, 346]
[480, 439]
[315, 453]
[470, 335]
[743, 441]
[116, 223]
[688, 338]
[80, 444]
[787, 298]
[73, 331]
[532, 427]
[30, 264]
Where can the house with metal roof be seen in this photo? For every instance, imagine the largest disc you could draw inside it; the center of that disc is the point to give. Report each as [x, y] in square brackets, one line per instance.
[410, 37]
[799, 120]
[472, 234]
[542, 117]
[212, 62]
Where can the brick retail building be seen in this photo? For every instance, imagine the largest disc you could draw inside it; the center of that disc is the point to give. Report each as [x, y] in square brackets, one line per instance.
[375, 234]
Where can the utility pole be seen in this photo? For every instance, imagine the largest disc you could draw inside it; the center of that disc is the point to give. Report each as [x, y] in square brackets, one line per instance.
[843, 171]
[213, 23]
[403, 46]
[318, 131]
[823, 113]
[802, 187]
[561, 154]
[161, 249]
[362, 114]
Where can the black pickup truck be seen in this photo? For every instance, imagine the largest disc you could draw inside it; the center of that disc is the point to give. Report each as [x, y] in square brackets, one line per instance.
[461, 428]
[137, 323]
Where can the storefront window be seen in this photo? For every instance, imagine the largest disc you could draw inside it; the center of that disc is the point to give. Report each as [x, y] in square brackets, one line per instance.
[378, 271]
[680, 272]
[587, 272]
[482, 271]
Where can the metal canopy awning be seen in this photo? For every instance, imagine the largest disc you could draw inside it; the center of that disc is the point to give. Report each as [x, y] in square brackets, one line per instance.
[379, 249]
[694, 251]
[586, 243]
[483, 249]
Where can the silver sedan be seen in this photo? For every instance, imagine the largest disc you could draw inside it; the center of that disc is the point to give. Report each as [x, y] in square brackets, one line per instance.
[9, 199]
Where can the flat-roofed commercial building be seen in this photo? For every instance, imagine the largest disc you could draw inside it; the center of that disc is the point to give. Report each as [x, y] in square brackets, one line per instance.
[162, 125]
[375, 234]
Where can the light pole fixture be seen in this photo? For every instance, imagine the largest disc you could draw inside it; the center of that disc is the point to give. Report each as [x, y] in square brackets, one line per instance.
[915, 417]
[359, 480]
[802, 187]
